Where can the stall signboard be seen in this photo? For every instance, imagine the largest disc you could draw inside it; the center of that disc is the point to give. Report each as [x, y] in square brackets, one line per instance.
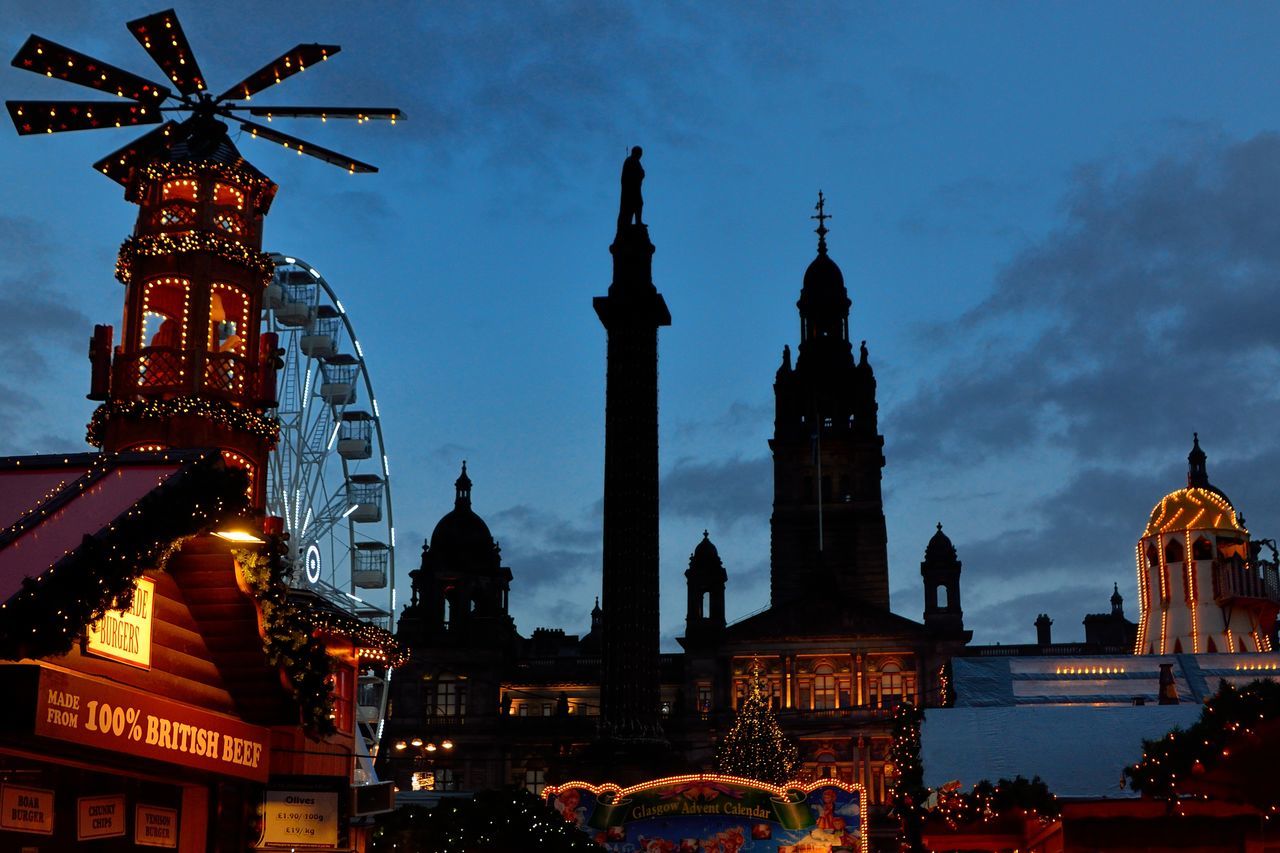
[99, 714]
[154, 826]
[696, 814]
[125, 635]
[300, 819]
[100, 817]
[25, 809]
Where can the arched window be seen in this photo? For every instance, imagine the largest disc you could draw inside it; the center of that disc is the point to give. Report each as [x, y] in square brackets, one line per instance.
[890, 685]
[1153, 556]
[824, 686]
[228, 207]
[944, 599]
[1201, 549]
[1173, 551]
[178, 205]
[704, 604]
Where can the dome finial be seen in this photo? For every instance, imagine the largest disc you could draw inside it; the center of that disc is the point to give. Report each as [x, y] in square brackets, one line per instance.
[822, 218]
[1197, 474]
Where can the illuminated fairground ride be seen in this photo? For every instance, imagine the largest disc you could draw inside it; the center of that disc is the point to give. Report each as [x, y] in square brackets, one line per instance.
[328, 477]
[191, 368]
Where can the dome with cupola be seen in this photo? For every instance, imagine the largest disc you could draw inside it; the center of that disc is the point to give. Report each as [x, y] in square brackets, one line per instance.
[462, 532]
[1200, 506]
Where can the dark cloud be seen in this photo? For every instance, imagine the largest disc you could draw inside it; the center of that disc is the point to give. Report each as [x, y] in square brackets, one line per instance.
[1144, 316]
[725, 493]
[741, 417]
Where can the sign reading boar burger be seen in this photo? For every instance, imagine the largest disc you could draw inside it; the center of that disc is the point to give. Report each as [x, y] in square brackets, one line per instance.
[716, 814]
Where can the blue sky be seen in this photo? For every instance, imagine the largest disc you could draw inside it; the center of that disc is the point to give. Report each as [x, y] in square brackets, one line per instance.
[1058, 224]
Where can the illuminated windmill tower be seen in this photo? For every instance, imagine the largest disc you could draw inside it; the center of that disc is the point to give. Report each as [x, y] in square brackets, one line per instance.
[191, 368]
[1201, 585]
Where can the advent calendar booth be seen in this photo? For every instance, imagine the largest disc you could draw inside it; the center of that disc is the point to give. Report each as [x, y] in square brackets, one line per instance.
[712, 812]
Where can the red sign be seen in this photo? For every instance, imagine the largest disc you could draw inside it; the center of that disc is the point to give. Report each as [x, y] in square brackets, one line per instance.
[108, 716]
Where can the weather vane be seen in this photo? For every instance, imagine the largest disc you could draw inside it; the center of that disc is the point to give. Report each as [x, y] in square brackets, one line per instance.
[822, 218]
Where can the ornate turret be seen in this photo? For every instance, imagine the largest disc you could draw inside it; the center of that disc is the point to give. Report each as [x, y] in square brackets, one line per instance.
[705, 579]
[191, 369]
[1201, 585]
[828, 515]
[941, 574]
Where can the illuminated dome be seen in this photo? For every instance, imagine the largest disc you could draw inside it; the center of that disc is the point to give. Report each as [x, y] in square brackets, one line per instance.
[1200, 506]
[1194, 509]
[1200, 587]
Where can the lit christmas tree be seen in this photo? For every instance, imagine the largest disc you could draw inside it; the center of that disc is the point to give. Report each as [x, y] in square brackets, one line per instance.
[755, 748]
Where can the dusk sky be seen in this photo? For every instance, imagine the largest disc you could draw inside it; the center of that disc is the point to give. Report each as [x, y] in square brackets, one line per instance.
[1059, 225]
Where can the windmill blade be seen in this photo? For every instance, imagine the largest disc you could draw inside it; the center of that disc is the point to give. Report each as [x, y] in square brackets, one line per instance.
[282, 67]
[119, 165]
[41, 56]
[293, 143]
[60, 116]
[360, 114]
[163, 39]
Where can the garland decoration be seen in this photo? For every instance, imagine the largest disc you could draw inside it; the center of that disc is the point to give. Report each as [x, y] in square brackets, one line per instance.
[152, 245]
[1017, 797]
[290, 642]
[222, 413]
[55, 607]
[1170, 766]
[373, 643]
[490, 822]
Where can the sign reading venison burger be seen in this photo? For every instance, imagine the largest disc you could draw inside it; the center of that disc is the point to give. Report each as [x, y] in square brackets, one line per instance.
[125, 635]
[107, 716]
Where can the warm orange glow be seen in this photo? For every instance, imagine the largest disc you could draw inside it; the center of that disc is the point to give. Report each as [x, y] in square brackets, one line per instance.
[180, 188]
[240, 536]
[1144, 600]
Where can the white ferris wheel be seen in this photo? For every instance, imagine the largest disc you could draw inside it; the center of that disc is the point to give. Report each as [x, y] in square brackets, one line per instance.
[328, 477]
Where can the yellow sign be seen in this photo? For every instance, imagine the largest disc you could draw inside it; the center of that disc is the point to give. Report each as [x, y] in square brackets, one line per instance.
[300, 819]
[99, 817]
[125, 635]
[154, 826]
[26, 809]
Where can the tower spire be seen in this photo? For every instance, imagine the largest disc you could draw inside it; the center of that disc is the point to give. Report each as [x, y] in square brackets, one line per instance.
[822, 218]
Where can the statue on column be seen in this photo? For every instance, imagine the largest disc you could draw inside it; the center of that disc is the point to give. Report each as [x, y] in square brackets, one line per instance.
[632, 202]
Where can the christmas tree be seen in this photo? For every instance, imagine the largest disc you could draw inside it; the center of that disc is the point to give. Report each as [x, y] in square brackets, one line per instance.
[755, 748]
